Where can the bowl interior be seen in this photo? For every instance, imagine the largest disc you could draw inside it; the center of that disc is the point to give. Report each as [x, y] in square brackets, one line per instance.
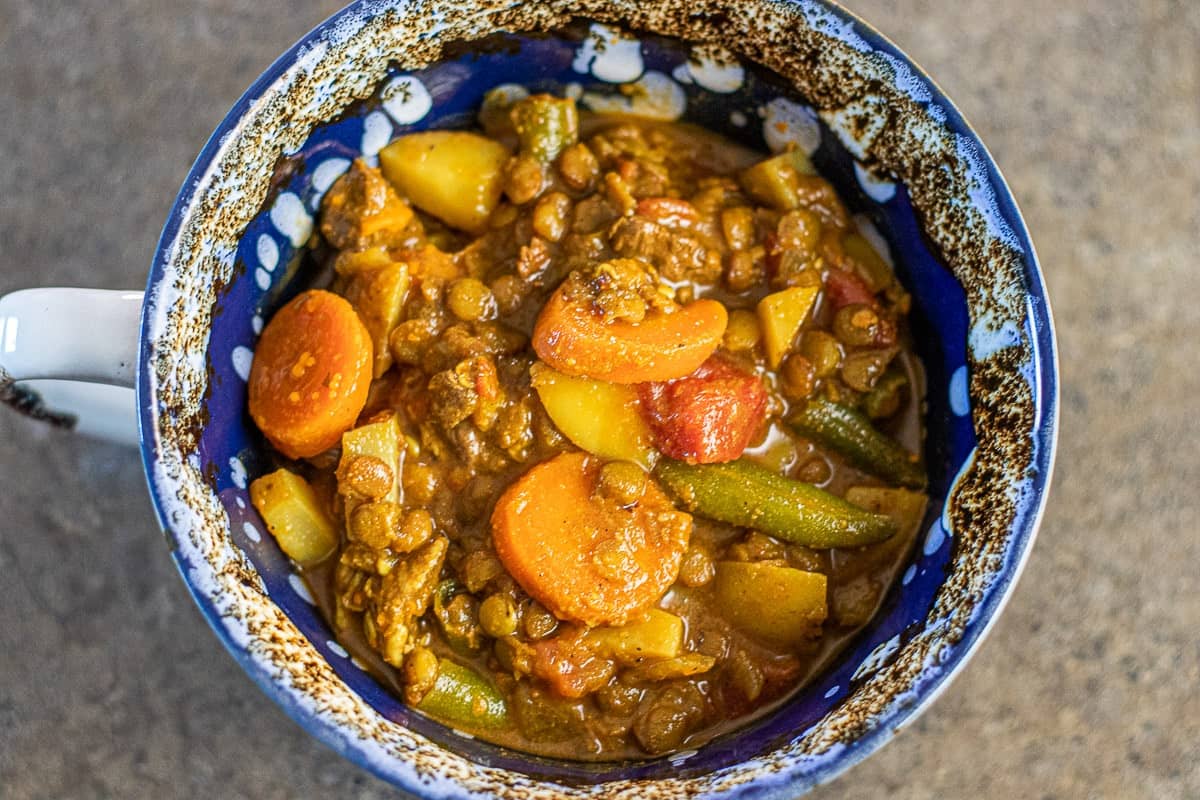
[760, 111]
[979, 320]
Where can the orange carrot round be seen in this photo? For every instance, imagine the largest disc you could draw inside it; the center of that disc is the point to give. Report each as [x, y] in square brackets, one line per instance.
[584, 556]
[574, 340]
[311, 373]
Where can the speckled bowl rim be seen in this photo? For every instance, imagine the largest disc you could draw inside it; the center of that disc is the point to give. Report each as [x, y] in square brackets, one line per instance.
[165, 448]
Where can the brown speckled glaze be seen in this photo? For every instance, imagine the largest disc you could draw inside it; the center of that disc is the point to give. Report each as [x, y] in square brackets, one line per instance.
[895, 133]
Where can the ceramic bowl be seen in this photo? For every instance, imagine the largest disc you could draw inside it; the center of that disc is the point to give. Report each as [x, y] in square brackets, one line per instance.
[763, 72]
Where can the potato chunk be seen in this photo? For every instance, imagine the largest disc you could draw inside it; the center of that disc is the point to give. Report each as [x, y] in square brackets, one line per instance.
[455, 176]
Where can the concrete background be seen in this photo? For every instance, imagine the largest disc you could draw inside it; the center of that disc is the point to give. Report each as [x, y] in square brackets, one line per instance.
[111, 685]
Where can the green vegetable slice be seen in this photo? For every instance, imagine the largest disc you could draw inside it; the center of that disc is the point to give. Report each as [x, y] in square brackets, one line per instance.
[851, 434]
[746, 494]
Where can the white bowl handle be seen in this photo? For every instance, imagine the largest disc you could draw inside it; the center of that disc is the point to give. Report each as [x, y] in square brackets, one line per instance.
[69, 357]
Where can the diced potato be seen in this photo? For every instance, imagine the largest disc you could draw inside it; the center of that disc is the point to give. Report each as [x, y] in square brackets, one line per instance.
[599, 417]
[431, 262]
[779, 605]
[352, 262]
[781, 314]
[660, 636]
[294, 516]
[378, 296]
[680, 667]
[774, 180]
[874, 268]
[454, 175]
[381, 440]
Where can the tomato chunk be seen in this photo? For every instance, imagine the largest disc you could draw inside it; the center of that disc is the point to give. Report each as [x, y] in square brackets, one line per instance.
[706, 417]
[844, 288]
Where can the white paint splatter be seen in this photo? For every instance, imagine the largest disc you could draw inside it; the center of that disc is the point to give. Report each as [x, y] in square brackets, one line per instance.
[934, 539]
[832, 691]
[877, 658]
[858, 122]
[406, 99]
[738, 119]
[377, 132]
[655, 96]
[262, 278]
[609, 55]
[256, 323]
[237, 472]
[909, 574]
[327, 172]
[242, 357]
[251, 532]
[337, 649]
[960, 401]
[986, 338]
[267, 252]
[301, 588]
[240, 503]
[878, 189]
[291, 218]
[713, 68]
[786, 123]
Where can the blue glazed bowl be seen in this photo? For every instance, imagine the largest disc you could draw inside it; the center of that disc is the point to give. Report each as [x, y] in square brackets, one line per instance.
[764, 72]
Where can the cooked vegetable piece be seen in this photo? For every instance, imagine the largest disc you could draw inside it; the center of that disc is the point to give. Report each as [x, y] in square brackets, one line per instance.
[454, 175]
[461, 696]
[581, 555]
[774, 180]
[378, 296]
[573, 339]
[906, 508]
[380, 440]
[311, 373]
[875, 270]
[884, 398]
[844, 288]
[679, 667]
[359, 205]
[743, 493]
[851, 434]
[545, 125]
[706, 417]
[781, 314]
[658, 636]
[599, 417]
[295, 517]
[779, 605]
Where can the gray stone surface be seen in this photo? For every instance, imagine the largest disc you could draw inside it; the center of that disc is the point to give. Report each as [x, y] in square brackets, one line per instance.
[1089, 687]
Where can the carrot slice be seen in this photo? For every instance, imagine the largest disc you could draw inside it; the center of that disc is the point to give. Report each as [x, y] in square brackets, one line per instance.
[583, 556]
[574, 340]
[311, 373]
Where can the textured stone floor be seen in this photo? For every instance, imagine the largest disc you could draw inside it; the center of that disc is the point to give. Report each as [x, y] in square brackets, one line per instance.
[111, 685]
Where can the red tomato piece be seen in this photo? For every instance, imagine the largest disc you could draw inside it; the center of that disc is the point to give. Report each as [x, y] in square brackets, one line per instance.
[707, 417]
[844, 288]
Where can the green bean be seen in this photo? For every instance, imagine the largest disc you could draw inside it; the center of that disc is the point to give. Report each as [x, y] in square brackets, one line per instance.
[462, 697]
[746, 494]
[851, 434]
[884, 400]
[545, 125]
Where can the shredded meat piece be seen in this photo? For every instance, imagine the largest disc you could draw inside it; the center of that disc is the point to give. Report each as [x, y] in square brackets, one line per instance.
[404, 596]
[677, 256]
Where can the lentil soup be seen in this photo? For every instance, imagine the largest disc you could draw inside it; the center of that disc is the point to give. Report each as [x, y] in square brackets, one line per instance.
[598, 438]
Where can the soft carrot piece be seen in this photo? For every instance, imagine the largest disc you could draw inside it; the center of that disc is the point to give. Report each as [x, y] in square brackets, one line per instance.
[311, 373]
[581, 555]
[573, 339]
